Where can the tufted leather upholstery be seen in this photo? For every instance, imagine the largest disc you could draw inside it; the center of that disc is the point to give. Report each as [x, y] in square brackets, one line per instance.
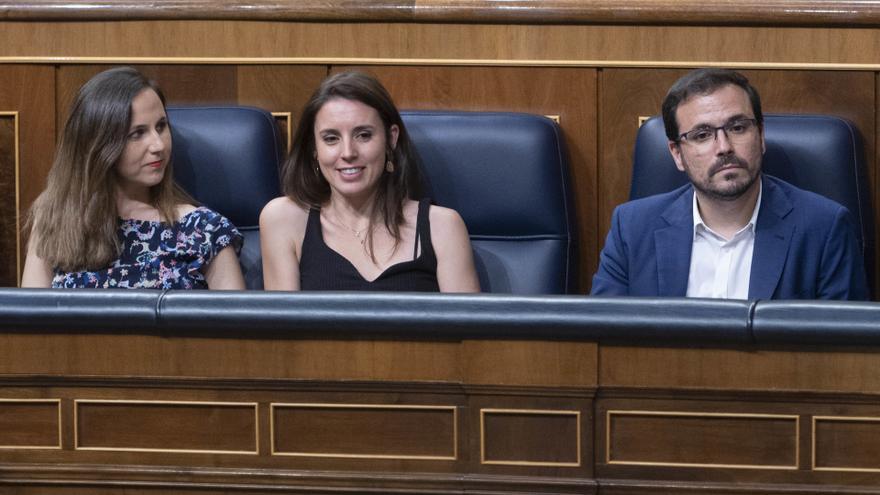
[507, 176]
[822, 154]
[227, 158]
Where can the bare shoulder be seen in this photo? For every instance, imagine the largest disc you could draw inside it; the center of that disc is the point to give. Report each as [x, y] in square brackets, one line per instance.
[444, 219]
[447, 228]
[283, 213]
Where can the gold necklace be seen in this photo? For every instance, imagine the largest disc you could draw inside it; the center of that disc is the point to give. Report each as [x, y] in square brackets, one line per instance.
[359, 234]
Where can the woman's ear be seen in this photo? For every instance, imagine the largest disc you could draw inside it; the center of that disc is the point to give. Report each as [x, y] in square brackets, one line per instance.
[393, 133]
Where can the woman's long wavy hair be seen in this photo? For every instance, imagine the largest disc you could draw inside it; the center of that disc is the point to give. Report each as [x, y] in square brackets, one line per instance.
[303, 183]
[75, 219]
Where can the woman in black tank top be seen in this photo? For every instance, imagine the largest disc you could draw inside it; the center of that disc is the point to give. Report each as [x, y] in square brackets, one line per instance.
[352, 217]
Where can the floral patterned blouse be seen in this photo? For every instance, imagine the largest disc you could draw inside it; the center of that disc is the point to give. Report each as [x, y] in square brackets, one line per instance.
[156, 255]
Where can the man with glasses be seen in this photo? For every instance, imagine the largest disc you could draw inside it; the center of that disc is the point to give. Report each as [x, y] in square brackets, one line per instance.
[732, 232]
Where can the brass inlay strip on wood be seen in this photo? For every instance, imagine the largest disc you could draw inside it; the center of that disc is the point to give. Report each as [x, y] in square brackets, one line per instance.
[17, 173]
[536, 412]
[57, 403]
[646, 64]
[840, 419]
[76, 446]
[279, 405]
[681, 414]
[287, 117]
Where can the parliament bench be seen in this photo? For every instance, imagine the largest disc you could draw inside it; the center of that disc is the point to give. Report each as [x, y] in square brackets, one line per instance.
[225, 392]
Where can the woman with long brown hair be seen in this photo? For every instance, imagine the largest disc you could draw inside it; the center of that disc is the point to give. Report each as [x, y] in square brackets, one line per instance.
[352, 217]
[111, 214]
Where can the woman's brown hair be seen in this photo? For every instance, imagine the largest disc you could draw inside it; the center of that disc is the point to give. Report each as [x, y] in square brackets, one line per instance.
[75, 220]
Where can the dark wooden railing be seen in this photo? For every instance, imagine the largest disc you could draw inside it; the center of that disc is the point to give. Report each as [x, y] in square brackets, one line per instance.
[670, 12]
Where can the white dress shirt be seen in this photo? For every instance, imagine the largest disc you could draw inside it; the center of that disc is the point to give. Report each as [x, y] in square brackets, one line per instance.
[721, 268]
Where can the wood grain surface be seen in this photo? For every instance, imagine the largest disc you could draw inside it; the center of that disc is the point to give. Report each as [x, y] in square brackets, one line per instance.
[776, 12]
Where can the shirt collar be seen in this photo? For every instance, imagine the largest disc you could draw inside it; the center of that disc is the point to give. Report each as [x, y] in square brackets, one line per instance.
[698, 220]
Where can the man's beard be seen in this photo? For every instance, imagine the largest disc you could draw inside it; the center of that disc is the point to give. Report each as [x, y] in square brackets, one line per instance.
[732, 191]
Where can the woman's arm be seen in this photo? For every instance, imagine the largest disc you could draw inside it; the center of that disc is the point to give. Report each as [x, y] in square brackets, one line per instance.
[224, 272]
[282, 222]
[37, 273]
[455, 259]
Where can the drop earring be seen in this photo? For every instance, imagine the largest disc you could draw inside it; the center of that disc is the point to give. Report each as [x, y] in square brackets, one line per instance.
[317, 166]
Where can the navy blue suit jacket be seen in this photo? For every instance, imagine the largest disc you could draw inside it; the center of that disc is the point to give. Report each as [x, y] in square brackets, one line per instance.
[805, 247]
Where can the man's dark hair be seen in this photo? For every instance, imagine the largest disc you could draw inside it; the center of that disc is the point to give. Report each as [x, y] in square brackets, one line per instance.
[703, 82]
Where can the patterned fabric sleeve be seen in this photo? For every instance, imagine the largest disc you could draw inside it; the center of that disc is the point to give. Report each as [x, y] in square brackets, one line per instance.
[207, 233]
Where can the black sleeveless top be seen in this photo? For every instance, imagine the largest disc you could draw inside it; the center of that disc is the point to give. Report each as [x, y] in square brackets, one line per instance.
[322, 268]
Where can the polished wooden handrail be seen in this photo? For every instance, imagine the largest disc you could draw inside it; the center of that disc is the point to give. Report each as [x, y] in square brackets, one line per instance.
[666, 12]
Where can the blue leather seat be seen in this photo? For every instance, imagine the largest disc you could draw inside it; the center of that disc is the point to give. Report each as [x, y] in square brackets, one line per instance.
[227, 158]
[819, 153]
[507, 176]
[505, 173]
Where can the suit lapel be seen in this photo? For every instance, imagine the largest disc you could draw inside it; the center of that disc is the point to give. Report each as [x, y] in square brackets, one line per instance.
[673, 246]
[773, 235]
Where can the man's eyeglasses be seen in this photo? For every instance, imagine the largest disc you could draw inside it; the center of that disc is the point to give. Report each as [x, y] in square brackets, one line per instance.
[736, 131]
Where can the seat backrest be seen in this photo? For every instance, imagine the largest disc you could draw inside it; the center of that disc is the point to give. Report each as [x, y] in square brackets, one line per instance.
[227, 158]
[507, 176]
[819, 153]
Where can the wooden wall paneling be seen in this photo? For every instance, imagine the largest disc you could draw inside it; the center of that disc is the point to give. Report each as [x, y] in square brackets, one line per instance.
[167, 426]
[616, 45]
[279, 89]
[626, 94]
[28, 90]
[9, 198]
[181, 84]
[568, 93]
[146, 355]
[382, 434]
[203, 423]
[694, 439]
[366, 431]
[195, 84]
[30, 424]
[739, 369]
[548, 437]
[375, 427]
[846, 443]
[518, 387]
[542, 433]
[655, 437]
[300, 482]
[530, 363]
